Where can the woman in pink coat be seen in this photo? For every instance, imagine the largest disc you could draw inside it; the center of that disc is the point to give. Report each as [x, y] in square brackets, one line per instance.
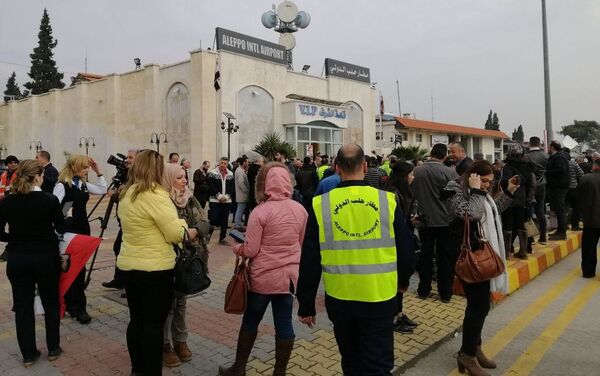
[273, 243]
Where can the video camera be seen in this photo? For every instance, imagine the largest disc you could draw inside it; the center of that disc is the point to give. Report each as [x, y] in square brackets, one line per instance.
[120, 162]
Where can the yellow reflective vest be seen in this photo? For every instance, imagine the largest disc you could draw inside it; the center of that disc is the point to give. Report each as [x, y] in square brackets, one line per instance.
[358, 248]
[321, 170]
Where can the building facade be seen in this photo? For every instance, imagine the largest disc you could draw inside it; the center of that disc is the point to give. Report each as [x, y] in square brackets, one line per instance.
[122, 111]
[425, 134]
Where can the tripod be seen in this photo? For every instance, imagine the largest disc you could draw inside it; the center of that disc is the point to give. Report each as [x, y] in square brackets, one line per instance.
[103, 224]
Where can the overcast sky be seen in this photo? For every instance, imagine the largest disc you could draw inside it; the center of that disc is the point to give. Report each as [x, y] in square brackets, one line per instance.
[469, 55]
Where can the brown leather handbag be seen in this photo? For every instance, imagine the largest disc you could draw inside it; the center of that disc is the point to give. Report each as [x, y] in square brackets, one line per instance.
[477, 265]
[236, 294]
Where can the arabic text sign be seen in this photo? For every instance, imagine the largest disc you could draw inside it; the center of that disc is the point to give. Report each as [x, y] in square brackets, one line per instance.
[346, 70]
[246, 45]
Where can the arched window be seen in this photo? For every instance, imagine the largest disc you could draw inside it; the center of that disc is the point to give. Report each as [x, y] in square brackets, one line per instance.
[178, 119]
[255, 116]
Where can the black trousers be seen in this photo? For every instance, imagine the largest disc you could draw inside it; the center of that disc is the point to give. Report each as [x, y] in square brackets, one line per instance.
[435, 241]
[118, 277]
[589, 243]
[513, 219]
[573, 200]
[75, 298]
[478, 306]
[540, 209]
[24, 271]
[149, 296]
[219, 217]
[366, 342]
[557, 198]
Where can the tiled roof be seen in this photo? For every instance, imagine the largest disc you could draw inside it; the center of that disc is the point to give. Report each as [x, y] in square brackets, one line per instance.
[448, 128]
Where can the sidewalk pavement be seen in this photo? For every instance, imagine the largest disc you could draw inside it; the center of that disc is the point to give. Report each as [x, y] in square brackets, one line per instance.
[100, 348]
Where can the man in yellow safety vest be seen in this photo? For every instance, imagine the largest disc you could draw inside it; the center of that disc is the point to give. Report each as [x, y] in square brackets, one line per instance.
[358, 240]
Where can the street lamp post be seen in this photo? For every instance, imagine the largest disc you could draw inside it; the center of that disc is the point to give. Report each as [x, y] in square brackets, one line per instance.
[37, 145]
[229, 129]
[155, 138]
[2, 149]
[87, 142]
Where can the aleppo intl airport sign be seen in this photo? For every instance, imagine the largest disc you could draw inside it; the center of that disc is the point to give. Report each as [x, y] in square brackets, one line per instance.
[246, 45]
[346, 70]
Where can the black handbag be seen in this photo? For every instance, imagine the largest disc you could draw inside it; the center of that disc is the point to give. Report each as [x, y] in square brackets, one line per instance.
[191, 273]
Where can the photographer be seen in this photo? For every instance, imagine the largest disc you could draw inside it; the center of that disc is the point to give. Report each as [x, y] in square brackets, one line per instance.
[121, 178]
[73, 192]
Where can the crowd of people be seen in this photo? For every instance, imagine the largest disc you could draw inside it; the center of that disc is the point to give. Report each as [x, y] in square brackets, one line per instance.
[364, 224]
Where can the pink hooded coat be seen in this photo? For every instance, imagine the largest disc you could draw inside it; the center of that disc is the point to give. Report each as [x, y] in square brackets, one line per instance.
[274, 237]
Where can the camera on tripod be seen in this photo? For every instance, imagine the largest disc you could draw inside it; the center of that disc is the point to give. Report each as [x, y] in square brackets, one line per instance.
[121, 164]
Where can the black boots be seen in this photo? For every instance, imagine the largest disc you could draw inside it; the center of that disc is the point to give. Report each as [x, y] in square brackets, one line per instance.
[283, 350]
[244, 347]
[508, 241]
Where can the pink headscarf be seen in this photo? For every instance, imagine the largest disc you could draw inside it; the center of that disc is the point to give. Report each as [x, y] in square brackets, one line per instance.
[180, 197]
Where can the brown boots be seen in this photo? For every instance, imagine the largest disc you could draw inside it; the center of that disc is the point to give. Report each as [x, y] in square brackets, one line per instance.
[173, 358]
[522, 245]
[483, 359]
[283, 350]
[244, 347]
[470, 364]
[170, 358]
[183, 351]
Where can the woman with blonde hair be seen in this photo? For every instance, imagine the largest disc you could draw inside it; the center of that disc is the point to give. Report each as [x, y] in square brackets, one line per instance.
[73, 192]
[273, 244]
[150, 227]
[33, 218]
[189, 209]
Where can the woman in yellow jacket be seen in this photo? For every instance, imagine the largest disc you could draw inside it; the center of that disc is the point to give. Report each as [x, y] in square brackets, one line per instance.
[150, 227]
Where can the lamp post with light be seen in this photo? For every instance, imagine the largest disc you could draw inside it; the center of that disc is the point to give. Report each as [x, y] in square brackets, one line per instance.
[157, 138]
[87, 142]
[229, 129]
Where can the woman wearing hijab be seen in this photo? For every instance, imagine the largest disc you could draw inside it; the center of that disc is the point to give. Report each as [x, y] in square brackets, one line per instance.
[188, 208]
[469, 196]
[273, 243]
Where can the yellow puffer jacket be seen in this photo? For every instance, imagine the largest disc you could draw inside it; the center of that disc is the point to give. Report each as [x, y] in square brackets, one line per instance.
[150, 227]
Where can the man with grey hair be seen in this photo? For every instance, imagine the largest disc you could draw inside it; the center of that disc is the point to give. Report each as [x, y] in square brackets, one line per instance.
[186, 164]
[461, 160]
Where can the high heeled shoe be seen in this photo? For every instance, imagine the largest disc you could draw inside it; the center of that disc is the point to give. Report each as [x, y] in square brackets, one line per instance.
[469, 364]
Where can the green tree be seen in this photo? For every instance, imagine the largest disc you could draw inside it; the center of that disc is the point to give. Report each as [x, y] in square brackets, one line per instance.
[495, 122]
[518, 134]
[271, 143]
[410, 153]
[488, 122]
[44, 73]
[584, 132]
[13, 92]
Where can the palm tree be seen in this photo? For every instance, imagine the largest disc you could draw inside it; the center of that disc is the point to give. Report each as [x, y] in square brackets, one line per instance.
[410, 153]
[271, 143]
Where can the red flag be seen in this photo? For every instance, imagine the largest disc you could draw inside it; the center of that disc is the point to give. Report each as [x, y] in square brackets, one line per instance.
[381, 106]
[80, 248]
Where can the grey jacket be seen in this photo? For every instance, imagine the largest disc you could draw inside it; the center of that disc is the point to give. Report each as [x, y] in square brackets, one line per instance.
[539, 158]
[430, 178]
[242, 187]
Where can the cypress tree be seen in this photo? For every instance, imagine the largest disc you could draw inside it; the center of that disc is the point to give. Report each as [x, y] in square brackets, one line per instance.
[44, 73]
[12, 91]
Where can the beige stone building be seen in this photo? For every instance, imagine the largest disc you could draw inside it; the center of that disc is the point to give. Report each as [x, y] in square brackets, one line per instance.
[121, 111]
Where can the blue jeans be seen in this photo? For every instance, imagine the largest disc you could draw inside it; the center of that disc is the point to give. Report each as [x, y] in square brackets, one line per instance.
[241, 207]
[281, 304]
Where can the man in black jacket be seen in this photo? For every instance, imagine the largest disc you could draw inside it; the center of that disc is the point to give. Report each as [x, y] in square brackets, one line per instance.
[222, 189]
[50, 172]
[461, 160]
[362, 318]
[589, 195]
[307, 180]
[558, 180]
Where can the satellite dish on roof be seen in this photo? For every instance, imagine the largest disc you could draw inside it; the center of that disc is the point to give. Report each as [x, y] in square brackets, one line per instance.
[302, 19]
[269, 19]
[287, 40]
[287, 11]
